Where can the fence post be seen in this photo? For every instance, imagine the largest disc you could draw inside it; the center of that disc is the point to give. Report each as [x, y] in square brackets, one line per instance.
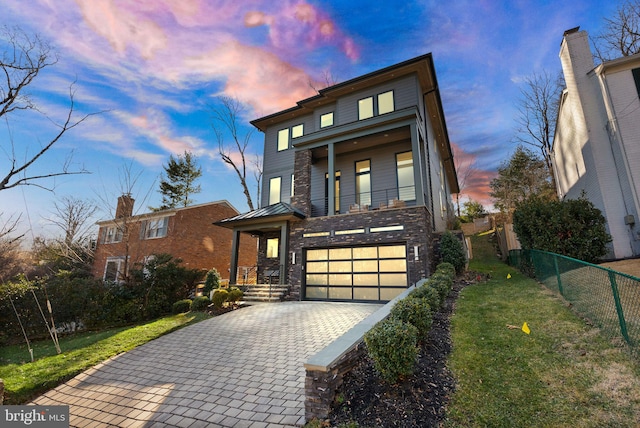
[555, 264]
[616, 298]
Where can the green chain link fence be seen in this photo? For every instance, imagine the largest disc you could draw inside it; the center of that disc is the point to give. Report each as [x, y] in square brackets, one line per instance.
[609, 299]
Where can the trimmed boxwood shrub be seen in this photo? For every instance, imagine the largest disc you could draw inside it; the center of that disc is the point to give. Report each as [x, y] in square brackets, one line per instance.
[391, 344]
[235, 294]
[220, 296]
[446, 268]
[429, 294]
[452, 251]
[414, 311]
[442, 283]
[200, 303]
[181, 306]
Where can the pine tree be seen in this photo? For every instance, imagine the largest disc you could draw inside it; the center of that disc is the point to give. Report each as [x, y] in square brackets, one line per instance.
[179, 182]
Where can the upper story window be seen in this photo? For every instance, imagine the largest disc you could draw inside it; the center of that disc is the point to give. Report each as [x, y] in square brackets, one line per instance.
[154, 228]
[384, 104]
[112, 234]
[274, 190]
[363, 182]
[297, 131]
[283, 139]
[326, 120]
[406, 181]
[365, 108]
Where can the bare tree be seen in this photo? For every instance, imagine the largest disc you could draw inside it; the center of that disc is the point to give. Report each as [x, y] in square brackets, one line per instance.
[538, 111]
[22, 60]
[465, 169]
[257, 174]
[124, 221]
[225, 122]
[11, 261]
[621, 33]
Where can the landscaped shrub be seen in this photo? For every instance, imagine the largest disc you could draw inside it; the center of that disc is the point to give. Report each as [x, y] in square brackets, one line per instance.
[446, 268]
[391, 344]
[442, 283]
[235, 294]
[414, 311]
[220, 296]
[429, 294]
[452, 251]
[181, 306]
[211, 282]
[200, 303]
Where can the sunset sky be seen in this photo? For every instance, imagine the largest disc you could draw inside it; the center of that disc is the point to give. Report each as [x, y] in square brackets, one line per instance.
[154, 68]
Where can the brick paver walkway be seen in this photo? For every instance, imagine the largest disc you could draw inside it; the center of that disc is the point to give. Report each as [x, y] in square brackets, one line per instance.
[241, 369]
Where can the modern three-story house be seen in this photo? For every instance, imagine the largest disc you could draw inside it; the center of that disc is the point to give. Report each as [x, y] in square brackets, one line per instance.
[356, 181]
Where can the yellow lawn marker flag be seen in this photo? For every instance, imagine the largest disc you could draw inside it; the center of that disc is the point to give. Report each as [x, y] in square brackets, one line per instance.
[508, 276]
[525, 328]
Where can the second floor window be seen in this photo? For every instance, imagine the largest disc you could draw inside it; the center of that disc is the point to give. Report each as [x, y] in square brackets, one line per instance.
[155, 228]
[406, 182]
[274, 190]
[363, 182]
[297, 131]
[365, 108]
[111, 235]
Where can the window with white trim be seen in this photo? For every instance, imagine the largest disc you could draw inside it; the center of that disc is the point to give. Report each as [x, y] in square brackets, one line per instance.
[154, 228]
[114, 269]
[111, 235]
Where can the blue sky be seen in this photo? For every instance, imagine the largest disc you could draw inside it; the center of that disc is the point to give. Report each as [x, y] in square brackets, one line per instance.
[154, 68]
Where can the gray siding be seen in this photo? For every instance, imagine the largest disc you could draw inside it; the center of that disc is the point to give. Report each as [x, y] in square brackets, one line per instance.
[383, 175]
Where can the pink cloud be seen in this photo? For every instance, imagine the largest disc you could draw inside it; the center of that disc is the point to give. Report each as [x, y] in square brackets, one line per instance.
[474, 181]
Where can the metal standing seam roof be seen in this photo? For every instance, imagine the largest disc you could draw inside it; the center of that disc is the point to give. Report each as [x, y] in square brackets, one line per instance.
[281, 209]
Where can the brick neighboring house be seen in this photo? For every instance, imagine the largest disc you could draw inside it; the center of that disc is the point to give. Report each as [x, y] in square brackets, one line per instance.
[357, 180]
[596, 147]
[185, 233]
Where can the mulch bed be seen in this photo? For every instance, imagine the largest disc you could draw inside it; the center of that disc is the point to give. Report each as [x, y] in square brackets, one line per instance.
[418, 401]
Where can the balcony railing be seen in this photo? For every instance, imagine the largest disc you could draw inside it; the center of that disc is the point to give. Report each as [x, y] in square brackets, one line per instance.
[367, 201]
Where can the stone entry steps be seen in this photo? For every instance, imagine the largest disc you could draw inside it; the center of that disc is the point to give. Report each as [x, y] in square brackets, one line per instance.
[265, 292]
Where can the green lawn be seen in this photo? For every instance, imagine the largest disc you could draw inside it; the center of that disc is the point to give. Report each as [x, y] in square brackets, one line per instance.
[563, 374]
[24, 380]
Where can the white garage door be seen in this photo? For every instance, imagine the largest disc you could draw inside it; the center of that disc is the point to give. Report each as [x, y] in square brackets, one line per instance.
[371, 273]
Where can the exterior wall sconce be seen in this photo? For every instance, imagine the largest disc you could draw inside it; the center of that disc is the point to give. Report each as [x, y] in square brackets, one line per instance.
[416, 256]
[293, 258]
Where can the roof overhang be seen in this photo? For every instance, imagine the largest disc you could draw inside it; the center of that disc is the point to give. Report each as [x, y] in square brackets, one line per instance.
[262, 219]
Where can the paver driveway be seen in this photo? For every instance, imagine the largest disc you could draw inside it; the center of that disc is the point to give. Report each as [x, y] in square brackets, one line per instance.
[241, 369]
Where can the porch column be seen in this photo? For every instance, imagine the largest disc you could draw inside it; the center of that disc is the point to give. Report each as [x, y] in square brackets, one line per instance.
[235, 245]
[331, 194]
[284, 250]
[417, 164]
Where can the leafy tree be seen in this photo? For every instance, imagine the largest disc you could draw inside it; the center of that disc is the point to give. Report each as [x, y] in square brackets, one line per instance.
[621, 33]
[211, 282]
[524, 175]
[472, 210]
[573, 228]
[452, 251]
[179, 183]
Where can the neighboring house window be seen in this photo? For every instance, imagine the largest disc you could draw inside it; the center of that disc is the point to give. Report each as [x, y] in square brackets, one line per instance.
[155, 228]
[406, 183]
[112, 234]
[274, 190]
[297, 131]
[326, 120]
[636, 78]
[272, 248]
[365, 108]
[283, 139]
[363, 182]
[293, 181]
[337, 190]
[113, 270]
[385, 102]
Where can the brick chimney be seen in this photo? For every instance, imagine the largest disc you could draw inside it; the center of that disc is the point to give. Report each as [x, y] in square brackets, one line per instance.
[125, 206]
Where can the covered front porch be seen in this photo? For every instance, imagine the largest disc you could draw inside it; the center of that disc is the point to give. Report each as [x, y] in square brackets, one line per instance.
[271, 225]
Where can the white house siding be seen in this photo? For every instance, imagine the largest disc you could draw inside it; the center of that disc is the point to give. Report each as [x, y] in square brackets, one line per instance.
[583, 154]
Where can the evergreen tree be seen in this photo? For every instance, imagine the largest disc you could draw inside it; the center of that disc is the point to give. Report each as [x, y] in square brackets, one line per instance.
[179, 182]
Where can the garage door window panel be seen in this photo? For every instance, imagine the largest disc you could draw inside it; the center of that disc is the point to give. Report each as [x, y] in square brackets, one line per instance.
[317, 292]
[365, 294]
[341, 293]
